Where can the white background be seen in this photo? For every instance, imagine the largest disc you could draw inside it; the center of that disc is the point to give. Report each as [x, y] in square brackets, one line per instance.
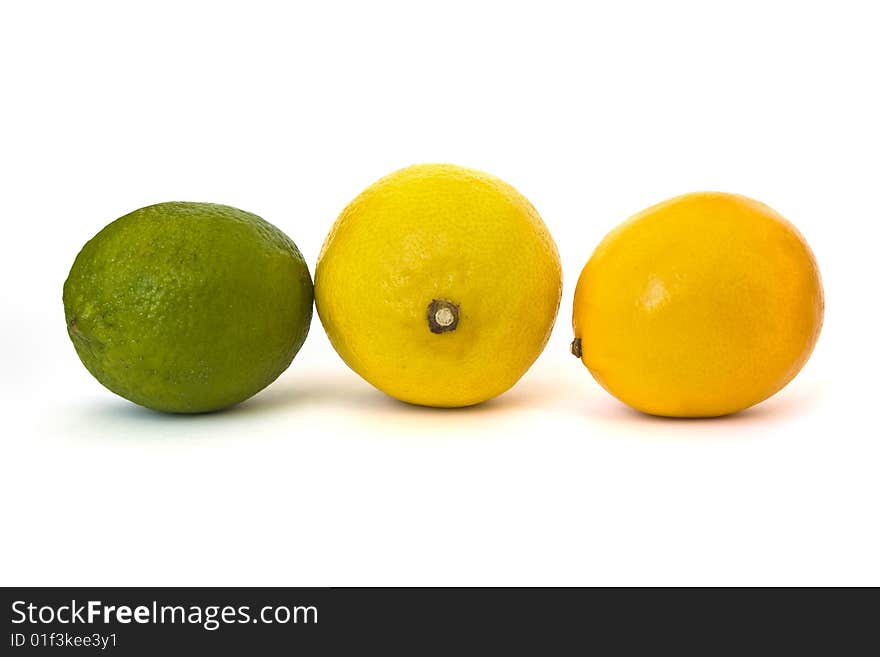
[594, 111]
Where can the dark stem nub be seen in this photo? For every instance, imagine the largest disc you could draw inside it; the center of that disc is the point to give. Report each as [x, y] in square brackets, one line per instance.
[442, 316]
[576, 348]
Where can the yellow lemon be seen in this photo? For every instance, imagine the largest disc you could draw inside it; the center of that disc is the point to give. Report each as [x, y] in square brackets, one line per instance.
[700, 306]
[439, 285]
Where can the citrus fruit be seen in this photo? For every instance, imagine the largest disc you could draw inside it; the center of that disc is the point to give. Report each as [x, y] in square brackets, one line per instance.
[188, 307]
[439, 285]
[700, 306]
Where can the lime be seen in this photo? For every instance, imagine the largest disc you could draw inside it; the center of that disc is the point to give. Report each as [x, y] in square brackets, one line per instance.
[188, 307]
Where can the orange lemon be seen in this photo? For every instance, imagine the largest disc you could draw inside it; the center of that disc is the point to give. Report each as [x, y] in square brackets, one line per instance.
[700, 306]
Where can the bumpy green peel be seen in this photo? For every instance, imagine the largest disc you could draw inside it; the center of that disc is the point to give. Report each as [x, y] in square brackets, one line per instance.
[188, 307]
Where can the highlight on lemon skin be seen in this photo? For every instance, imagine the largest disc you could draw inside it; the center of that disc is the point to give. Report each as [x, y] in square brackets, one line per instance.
[439, 285]
[700, 306]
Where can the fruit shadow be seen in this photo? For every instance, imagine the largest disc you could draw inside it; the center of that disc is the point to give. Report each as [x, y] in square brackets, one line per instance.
[339, 398]
[346, 393]
[785, 405]
[336, 399]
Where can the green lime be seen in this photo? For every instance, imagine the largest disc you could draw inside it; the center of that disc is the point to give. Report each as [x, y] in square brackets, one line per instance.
[188, 307]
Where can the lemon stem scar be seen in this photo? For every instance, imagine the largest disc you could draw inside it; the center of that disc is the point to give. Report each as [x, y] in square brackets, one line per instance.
[576, 348]
[442, 316]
